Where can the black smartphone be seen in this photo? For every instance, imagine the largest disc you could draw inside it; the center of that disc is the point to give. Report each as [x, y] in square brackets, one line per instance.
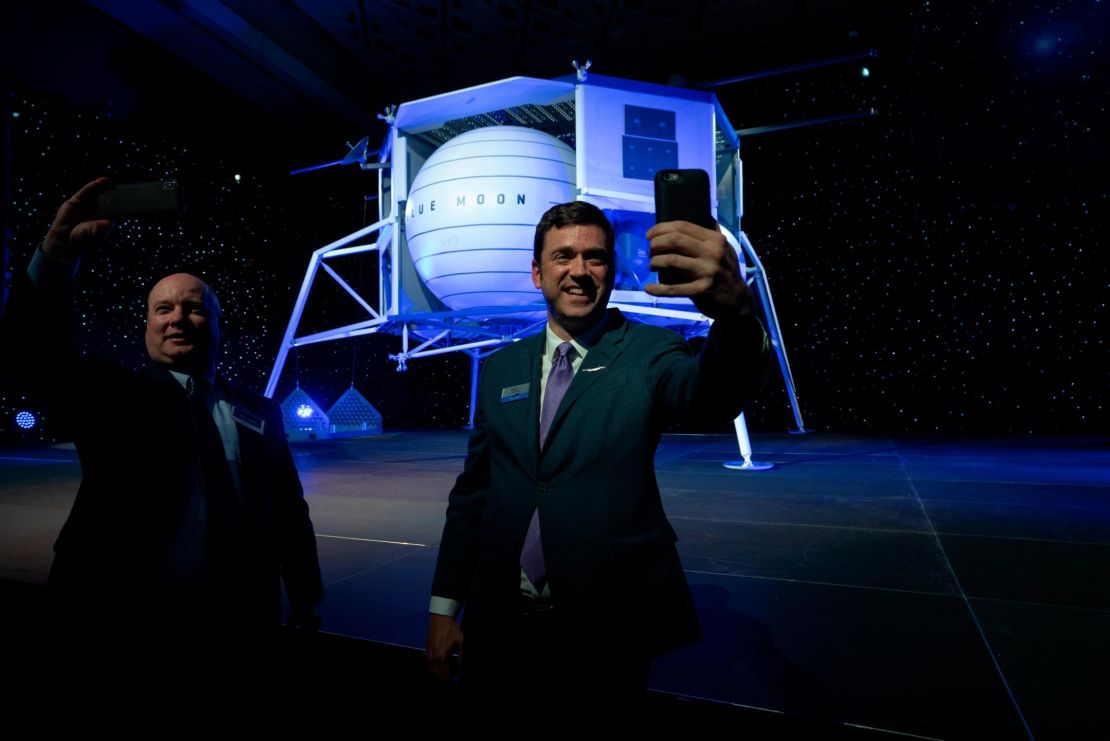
[133, 199]
[682, 195]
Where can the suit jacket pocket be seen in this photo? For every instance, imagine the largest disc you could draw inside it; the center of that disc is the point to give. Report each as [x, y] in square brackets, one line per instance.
[650, 602]
[610, 384]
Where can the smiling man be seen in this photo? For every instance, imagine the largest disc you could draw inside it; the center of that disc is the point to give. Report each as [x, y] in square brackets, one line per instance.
[556, 551]
[190, 512]
[183, 325]
[574, 270]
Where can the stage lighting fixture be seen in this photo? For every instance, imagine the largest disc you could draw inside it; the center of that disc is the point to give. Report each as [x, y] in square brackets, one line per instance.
[352, 414]
[25, 419]
[303, 418]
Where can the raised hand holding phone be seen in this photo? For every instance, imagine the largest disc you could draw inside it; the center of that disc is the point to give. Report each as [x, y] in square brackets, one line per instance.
[689, 252]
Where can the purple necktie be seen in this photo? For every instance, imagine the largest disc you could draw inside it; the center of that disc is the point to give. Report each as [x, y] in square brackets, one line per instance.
[558, 381]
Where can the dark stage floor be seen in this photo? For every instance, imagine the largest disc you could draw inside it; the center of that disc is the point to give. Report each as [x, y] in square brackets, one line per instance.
[927, 587]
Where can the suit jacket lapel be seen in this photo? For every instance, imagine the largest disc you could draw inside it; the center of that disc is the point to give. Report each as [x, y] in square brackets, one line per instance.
[521, 417]
[166, 381]
[251, 446]
[249, 441]
[531, 421]
[601, 355]
[169, 417]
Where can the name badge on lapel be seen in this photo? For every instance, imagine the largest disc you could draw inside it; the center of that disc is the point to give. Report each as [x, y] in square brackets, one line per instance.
[249, 419]
[514, 393]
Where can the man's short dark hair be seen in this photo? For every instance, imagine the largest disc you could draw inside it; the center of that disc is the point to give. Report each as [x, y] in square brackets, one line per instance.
[575, 213]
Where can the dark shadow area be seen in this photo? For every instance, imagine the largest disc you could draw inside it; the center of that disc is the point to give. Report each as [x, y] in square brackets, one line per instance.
[946, 590]
[303, 676]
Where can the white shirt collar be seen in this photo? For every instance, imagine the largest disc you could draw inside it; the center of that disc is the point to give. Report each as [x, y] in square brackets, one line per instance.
[582, 343]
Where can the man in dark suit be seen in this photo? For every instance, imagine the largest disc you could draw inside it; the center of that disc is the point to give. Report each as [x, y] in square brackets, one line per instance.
[556, 543]
[190, 511]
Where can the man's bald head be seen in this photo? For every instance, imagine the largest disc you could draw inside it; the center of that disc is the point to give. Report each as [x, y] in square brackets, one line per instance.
[183, 325]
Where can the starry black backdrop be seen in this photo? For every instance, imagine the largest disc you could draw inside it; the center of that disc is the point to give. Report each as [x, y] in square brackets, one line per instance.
[940, 266]
[245, 229]
[937, 266]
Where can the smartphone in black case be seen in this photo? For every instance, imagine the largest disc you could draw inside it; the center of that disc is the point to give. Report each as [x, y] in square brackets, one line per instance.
[682, 195]
[132, 199]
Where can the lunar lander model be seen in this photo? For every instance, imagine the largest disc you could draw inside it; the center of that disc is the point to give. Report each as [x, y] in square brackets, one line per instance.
[464, 177]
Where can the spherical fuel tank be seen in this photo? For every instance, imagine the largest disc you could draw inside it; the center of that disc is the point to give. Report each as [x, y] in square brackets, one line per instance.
[472, 212]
